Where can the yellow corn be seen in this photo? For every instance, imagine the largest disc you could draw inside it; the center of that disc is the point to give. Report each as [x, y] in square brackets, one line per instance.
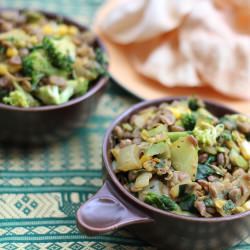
[63, 30]
[48, 29]
[72, 30]
[178, 112]
[11, 52]
[3, 69]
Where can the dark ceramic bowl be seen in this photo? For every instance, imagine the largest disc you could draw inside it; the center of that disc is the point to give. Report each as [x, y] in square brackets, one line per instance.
[48, 123]
[114, 207]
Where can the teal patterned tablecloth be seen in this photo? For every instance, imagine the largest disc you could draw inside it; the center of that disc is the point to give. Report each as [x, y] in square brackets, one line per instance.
[41, 188]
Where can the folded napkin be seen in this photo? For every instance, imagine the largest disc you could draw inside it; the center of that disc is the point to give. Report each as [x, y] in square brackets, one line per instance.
[186, 43]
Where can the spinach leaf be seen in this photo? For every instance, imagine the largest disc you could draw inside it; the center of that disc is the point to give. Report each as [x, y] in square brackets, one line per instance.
[228, 207]
[187, 202]
[161, 201]
[203, 171]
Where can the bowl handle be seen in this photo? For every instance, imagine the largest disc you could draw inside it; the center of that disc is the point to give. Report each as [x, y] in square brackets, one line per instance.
[107, 211]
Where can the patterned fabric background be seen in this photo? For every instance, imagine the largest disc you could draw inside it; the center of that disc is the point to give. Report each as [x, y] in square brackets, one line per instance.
[41, 188]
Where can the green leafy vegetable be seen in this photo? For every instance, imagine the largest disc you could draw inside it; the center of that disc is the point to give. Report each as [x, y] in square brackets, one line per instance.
[186, 203]
[228, 207]
[161, 201]
[204, 171]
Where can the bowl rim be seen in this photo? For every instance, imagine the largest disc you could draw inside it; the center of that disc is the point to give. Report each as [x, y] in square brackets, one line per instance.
[127, 113]
[99, 84]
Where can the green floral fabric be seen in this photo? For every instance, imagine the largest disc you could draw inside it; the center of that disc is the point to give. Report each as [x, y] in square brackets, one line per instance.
[42, 188]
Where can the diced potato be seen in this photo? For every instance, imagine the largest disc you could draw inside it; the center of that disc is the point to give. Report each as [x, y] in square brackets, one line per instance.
[142, 181]
[184, 155]
[246, 206]
[245, 149]
[128, 158]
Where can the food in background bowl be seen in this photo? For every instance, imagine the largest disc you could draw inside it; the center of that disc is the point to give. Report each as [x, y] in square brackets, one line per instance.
[45, 61]
[179, 157]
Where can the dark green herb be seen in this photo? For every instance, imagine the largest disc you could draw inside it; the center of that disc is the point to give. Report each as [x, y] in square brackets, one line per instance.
[204, 171]
[186, 203]
[161, 201]
[228, 207]
[208, 202]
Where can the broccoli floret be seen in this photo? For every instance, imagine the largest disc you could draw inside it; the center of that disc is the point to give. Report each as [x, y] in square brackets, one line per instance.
[52, 95]
[161, 201]
[226, 135]
[80, 85]
[20, 98]
[36, 65]
[188, 121]
[206, 134]
[195, 103]
[61, 52]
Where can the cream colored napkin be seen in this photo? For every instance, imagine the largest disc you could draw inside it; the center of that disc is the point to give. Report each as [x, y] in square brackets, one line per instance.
[186, 43]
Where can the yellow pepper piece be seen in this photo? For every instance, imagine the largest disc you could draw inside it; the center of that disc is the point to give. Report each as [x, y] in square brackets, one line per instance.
[3, 69]
[179, 111]
[11, 52]
[63, 30]
[48, 29]
[72, 30]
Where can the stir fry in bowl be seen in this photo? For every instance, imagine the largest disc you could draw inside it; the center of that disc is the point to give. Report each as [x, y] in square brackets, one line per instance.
[44, 61]
[179, 157]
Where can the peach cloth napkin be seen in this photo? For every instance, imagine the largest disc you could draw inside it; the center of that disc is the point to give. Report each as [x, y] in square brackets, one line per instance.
[186, 43]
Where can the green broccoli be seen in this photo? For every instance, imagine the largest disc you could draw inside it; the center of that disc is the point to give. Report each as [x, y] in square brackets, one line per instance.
[80, 85]
[36, 65]
[161, 201]
[61, 52]
[52, 95]
[20, 98]
[188, 121]
[195, 103]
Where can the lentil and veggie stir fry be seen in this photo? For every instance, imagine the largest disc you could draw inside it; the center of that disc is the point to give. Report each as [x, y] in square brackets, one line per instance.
[179, 157]
[45, 61]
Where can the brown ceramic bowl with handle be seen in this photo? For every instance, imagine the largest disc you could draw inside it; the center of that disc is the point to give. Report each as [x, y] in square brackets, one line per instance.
[113, 207]
[47, 123]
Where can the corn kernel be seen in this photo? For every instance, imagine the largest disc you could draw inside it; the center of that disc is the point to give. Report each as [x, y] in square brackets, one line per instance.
[63, 30]
[3, 69]
[11, 52]
[72, 30]
[47, 29]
